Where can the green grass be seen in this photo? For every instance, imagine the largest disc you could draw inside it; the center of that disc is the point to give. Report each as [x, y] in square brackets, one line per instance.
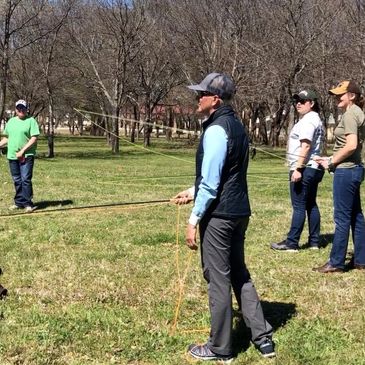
[99, 286]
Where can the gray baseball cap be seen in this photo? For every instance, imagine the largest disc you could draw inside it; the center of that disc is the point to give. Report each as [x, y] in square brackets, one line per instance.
[216, 84]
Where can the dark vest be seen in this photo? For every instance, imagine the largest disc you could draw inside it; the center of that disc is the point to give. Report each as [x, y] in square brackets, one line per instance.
[232, 199]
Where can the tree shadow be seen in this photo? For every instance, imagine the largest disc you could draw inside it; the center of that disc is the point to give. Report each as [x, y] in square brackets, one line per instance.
[52, 203]
[108, 155]
[276, 313]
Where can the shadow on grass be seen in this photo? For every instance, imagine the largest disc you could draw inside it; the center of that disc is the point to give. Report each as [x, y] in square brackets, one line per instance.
[81, 155]
[108, 155]
[276, 313]
[326, 239]
[52, 203]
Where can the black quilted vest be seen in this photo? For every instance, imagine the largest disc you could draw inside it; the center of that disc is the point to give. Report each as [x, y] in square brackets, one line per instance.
[232, 199]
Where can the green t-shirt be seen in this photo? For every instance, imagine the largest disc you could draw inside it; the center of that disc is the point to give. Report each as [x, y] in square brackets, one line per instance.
[19, 131]
[352, 122]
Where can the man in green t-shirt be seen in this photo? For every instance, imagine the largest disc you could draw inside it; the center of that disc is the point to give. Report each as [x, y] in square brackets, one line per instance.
[21, 133]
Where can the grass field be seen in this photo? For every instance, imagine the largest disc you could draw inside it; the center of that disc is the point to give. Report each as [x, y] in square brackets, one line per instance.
[100, 285]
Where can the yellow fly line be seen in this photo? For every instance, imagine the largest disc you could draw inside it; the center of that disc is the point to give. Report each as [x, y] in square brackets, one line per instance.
[136, 121]
[181, 278]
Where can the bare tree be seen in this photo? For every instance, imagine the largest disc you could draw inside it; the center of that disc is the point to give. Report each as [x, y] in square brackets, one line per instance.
[156, 70]
[278, 49]
[120, 54]
[46, 47]
[109, 37]
[18, 19]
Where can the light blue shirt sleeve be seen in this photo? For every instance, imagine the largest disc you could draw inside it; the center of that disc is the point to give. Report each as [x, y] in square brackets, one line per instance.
[215, 153]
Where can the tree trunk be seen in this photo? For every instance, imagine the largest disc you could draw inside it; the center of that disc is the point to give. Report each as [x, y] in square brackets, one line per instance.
[4, 80]
[134, 124]
[80, 125]
[147, 134]
[115, 130]
[147, 130]
[2, 98]
[5, 62]
[50, 127]
[50, 142]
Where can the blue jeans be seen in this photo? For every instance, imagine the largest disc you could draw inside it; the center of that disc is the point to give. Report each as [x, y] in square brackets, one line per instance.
[348, 213]
[22, 173]
[303, 196]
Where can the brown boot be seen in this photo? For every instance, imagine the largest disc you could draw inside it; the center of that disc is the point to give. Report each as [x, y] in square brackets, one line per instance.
[327, 268]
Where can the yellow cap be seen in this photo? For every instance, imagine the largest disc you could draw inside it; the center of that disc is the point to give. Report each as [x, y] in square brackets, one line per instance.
[347, 86]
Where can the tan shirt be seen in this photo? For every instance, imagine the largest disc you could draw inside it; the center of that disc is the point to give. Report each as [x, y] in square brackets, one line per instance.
[352, 122]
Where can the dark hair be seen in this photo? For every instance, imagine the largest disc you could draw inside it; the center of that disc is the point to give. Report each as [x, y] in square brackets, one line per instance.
[359, 100]
[315, 106]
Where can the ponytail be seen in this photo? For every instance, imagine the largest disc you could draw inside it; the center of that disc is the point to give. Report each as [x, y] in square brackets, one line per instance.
[315, 106]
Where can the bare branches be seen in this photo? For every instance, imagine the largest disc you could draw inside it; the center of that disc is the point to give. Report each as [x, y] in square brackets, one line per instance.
[113, 54]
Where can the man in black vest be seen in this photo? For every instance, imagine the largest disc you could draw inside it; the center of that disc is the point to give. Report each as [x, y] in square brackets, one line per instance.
[222, 209]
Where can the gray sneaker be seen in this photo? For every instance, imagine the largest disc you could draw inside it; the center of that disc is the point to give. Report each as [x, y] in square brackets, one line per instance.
[30, 209]
[203, 352]
[283, 246]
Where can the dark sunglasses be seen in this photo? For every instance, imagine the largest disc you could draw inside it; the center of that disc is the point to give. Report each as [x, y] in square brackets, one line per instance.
[300, 101]
[201, 94]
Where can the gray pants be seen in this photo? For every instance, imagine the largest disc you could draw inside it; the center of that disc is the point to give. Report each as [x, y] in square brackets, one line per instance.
[222, 255]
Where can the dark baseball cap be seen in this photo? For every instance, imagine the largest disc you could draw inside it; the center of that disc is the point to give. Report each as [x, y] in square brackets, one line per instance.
[347, 86]
[305, 95]
[216, 84]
